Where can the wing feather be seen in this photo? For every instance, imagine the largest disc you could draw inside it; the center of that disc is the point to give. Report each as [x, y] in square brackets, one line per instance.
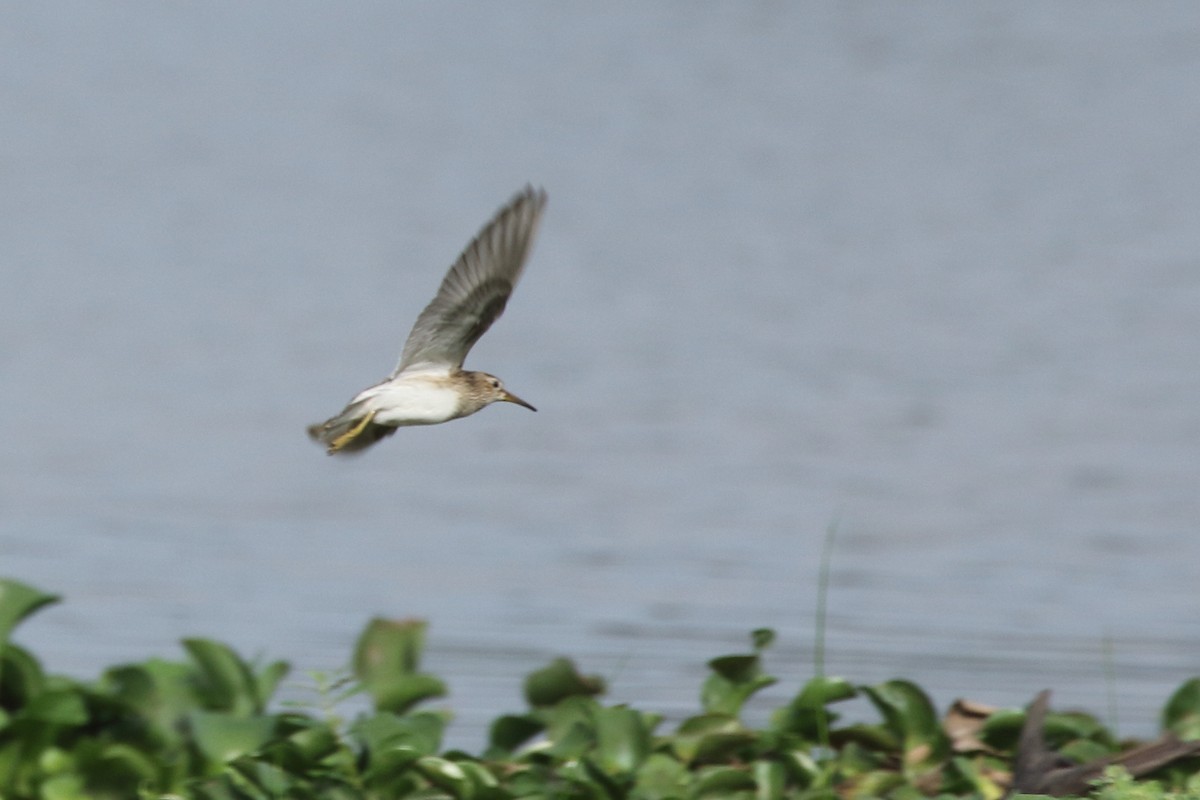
[475, 290]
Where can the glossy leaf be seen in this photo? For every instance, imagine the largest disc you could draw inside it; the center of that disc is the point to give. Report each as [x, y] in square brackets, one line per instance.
[660, 777]
[18, 601]
[557, 681]
[447, 775]
[770, 780]
[63, 707]
[1182, 711]
[389, 647]
[806, 715]
[227, 682]
[223, 737]
[910, 716]
[622, 739]
[511, 731]
[734, 680]
[387, 660]
[762, 638]
[725, 783]
[711, 738]
[21, 678]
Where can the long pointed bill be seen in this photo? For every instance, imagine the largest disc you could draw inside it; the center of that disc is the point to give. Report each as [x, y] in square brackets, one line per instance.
[509, 397]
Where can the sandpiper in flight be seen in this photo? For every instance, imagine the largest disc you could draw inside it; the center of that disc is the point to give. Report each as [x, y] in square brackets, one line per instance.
[429, 384]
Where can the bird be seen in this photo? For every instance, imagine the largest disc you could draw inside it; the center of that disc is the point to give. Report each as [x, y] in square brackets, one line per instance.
[429, 385]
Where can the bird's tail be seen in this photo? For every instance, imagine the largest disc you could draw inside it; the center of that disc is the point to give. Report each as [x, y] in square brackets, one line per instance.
[350, 431]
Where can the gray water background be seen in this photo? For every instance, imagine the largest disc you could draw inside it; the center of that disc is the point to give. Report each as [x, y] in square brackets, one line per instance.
[928, 273]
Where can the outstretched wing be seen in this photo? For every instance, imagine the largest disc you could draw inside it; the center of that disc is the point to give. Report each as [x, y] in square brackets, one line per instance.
[473, 293]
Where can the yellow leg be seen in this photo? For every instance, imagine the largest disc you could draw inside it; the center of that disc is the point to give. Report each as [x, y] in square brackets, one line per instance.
[352, 434]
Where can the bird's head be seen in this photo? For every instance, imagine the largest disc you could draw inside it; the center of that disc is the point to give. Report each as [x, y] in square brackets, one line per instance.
[490, 389]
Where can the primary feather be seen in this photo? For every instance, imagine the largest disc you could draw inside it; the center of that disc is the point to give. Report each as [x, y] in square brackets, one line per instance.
[476, 289]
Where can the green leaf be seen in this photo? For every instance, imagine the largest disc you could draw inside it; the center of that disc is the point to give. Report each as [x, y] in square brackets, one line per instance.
[18, 601]
[511, 731]
[660, 777]
[268, 678]
[222, 737]
[62, 707]
[387, 659]
[711, 738]
[909, 714]
[1181, 714]
[389, 647]
[622, 739]
[734, 680]
[160, 692]
[21, 678]
[762, 638]
[384, 731]
[483, 782]
[770, 780]
[806, 715]
[64, 787]
[399, 693]
[226, 682]
[722, 782]
[447, 775]
[557, 681]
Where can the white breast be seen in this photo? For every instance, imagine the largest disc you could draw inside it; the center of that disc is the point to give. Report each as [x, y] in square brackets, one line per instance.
[414, 400]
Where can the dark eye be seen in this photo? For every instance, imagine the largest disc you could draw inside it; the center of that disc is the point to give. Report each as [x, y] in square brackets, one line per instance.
[495, 383]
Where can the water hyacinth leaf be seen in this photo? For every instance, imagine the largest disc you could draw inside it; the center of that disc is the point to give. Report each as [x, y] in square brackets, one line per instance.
[571, 741]
[18, 601]
[389, 647]
[446, 775]
[622, 739]
[963, 775]
[1002, 729]
[62, 707]
[877, 783]
[314, 742]
[1062, 728]
[806, 715]
[822, 691]
[711, 738]
[762, 638]
[557, 681]
[594, 780]
[770, 780]
[268, 678]
[420, 732]
[269, 780]
[909, 714]
[736, 668]
[160, 691]
[734, 680]
[64, 787]
[387, 659]
[387, 767]
[511, 731]
[306, 747]
[725, 783]
[573, 712]
[399, 693]
[874, 738]
[1181, 715]
[21, 677]
[223, 737]
[1082, 751]
[226, 682]
[484, 783]
[660, 777]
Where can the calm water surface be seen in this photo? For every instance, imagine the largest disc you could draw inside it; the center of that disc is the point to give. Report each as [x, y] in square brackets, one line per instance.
[928, 274]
